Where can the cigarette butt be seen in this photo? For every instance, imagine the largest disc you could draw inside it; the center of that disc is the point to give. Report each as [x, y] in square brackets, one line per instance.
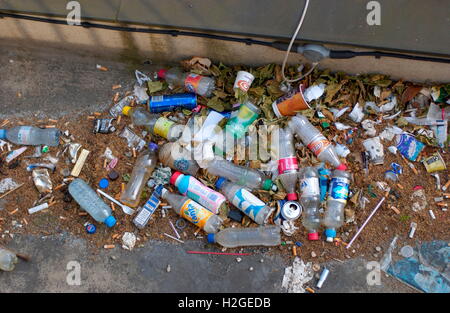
[113, 207]
[115, 236]
[52, 199]
[447, 184]
[97, 113]
[393, 208]
[59, 187]
[119, 119]
[102, 68]
[14, 212]
[415, 171]
[116, 87]
[52, 203]
[62, 218]
[294, 250]
[90, 117]
[50, 126]
[122, 187]
[400, 186]
[134, 152]
[52, 120]
[310, 290]
[25, 221]
[432, 214]
[82, 214]
[116, 97]
[109, 246]
[446, 194]
[105, 163]
[441, 204]
[199, 229]
[386, 194]
[163, 204]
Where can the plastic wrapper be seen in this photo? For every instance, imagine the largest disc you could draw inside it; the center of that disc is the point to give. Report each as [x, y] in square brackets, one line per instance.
[42, 181]
[134, 141]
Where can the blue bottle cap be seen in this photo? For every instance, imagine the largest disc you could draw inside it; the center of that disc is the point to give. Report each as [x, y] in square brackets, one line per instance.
[211, 238]
[153, 146]
[330, 233]
[3, 133]
[220, 182]
[91, 229]
[110, 221]
[104, 183]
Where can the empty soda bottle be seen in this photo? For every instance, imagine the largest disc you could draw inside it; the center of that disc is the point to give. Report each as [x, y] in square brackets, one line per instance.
[193, 212]
[287, 163]
[249, 236]
[195, 83]
[143, 169]
[313, 138]
[31, 136]
[337, 199]
[310, 200]
[240, 175]
[189, 186]
[154, 123]
[245, 201]
[178, 158]
[89, 201]
[7, 260]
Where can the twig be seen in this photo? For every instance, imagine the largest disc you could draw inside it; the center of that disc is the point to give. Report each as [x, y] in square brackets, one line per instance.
[5, 194]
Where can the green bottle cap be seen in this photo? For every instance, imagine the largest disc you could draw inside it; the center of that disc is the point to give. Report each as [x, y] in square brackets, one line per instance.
[267, 185]
[45, 149]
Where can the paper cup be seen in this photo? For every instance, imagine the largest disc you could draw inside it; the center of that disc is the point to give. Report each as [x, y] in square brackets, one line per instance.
[243, 81]
[434, 163]
[291, 103]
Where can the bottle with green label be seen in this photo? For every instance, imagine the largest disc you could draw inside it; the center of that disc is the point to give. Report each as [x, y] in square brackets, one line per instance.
[238, 125]
[155, 123]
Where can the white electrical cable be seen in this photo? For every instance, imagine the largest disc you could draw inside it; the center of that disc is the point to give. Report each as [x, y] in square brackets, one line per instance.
[290, 47]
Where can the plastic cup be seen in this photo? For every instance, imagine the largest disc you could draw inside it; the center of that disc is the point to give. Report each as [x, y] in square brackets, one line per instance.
[291, 103]
[243, 81]
[434, 163]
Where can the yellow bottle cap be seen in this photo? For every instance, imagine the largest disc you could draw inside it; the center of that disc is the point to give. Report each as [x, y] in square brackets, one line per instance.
[126, 110]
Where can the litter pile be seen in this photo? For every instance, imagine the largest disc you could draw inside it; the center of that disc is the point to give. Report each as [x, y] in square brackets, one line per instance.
[329, 168]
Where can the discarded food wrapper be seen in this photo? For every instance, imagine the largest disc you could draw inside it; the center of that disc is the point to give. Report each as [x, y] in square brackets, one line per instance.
[2, 144]
[7, 184]
[134, 141]
[369, 126]
[73, 151]
[409, 146]
[108, 154]
[160, 176]
[392, 149]
[419, 199]
[141, 94]
[141, 77]
[375, 149]
[341, 126]
[434, 163]
[8, 260]
[14, 154]
[390, 105]
[128, 241]
[42, 181]
[357, 114]
[112, 164]
[116, 110]
[338, 113]
[104, 126]
[342, 150]
[390, 132]
[314, 92]
[288, 228]
[391, 175]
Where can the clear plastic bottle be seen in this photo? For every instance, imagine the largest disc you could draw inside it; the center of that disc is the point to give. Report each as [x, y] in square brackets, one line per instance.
[310, 201]
[31, 136]
[7, 260]
[193, 212]
[195, 83]
[313, 138]
[189, 186]
[240, 175]
[337, 199]
[287, 163]
[89, 201]
[178, 158]
[249, 236]
[143, 169]
[245, 201]
[154, 123]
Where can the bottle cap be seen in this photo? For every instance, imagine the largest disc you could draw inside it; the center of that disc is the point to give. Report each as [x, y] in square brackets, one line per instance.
[267, 185]
[220, 182]
[330, 234]
[342, 167]
[3, 133]
[313, 236]
[126, 110]
[174, 177]
[110, 221]
[104, 183]
[153, 146]
[417, 187]
[292, 196]
[211, 238]
[113, 175]
[162, 73]
[91, 229]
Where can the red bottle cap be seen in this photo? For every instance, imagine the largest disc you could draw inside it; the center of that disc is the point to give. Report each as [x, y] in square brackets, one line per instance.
[292, 196]
[313, 236]
[174, 177]
[342, 167]
[417, 187]
[162, 73]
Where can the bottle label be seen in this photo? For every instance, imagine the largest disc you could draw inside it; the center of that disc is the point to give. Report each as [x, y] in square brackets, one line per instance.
[204, 195]
[162, 127]
[248, 203]
[23, 136]
[192, 81]
[310, 187]
[319, 145]
[287, 164]
[195, 213]
[238, 125]
[339, 189]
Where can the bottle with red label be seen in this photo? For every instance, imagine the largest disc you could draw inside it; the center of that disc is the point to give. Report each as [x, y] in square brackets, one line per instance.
[287, 163]
[194, 83]
[313, 138]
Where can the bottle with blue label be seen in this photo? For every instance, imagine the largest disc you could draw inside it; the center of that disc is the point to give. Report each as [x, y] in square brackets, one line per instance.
[31, 136]
[337, 199]
[245, 201]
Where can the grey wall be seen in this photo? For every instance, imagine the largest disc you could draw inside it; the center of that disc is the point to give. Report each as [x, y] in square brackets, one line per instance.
[406, 25]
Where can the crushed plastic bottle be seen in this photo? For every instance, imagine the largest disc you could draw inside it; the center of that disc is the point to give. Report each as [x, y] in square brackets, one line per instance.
[154, 123]
[242, 176]
[337, 199]
[173, 155]
[31, 136]
[253, 236]
[310, 201]
[89, 201]
[193, 212]
[245, 201]
[313, 138]
[287, 163]
[143, 168]
[195, 83]
[8, 260]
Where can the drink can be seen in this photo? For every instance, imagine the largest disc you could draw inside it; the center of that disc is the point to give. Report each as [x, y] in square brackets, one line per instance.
[158, 104]
[243, 81]
[291, 210]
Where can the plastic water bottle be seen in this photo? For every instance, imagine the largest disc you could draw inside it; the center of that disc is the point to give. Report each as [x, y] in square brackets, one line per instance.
[154, 123]
[193, 212]
[240, 175]
[7, 260]
[249, 236]
[194, 189]
[313, 138]
[173, 155]
[31, 136]
[89, 201]
[245, 201]
[287, 163]
[337, 199]
[310, 200]
[143, 169]
[195, 83]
